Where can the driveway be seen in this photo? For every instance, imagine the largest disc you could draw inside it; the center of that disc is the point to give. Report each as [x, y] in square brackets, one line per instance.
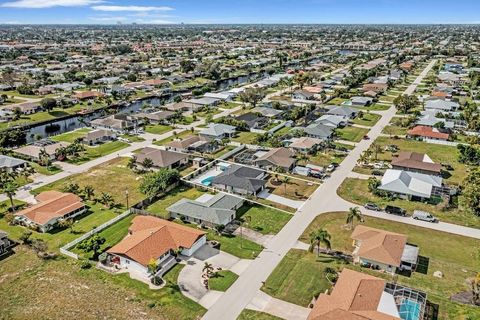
[279, 199]
[190, 278]
[282, 309]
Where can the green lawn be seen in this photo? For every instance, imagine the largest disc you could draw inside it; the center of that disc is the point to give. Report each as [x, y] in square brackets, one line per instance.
[350, 133]
[223, 151]
[132, 138]
[91, 153]
[28, 282]
[438, 153]
[181, 135]
[368, 119]
[112, 177]
[457, 260]
[222, 280]
[299, 277]
[157, 129]
[44, 170]
[241, 248]
[246, 137]
[356, 191]
[394, 130]
[256, 315]
[324, 158]
[72, 135]
[263, 219]
[378, 107]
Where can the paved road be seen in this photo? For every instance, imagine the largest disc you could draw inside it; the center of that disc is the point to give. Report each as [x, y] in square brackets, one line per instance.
[324, 199]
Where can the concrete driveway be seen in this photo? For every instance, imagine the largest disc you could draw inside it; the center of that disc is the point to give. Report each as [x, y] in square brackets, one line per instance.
[281, 200]
[190, 278]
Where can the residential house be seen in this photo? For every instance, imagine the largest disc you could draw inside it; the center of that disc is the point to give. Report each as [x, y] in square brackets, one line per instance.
[411, 185]
[157, 117]
[119, 123]
[441, 105]
[195, 104]
[6, 245]
[304, 144]
[154, 239]
[25, 108]
[319, 131]
[162, 158]
[52, 207]
[11, 164]
[416, 162]
[240, 180]
[358, 296]
[283, 158]
[424, 132]
[99, 136]
[88, 95]
[429, 118]
[343, 111]
[253, 120]
[362, 101]
[303, 95]
[333, 121]
[268, 112]
[33, 151]
[207, 210]
[383, 250]
[225, 96]
[218, 131]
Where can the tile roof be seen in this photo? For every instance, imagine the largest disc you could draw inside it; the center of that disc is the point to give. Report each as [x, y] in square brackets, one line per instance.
[160, 158]
[379, 245]
[415, 160]
[282, 157]
[428, 132]
[52, 204]
[151, 237]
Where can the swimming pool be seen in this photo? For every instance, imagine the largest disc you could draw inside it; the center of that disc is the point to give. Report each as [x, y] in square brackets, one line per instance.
[207, 181]
[409, 310]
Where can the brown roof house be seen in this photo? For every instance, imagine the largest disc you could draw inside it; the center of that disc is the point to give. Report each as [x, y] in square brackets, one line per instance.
[383, 250]
[33, 151]
[416, 162]
[99, 136]
[154, 239]
[162, 158]
[358, 296]
[88, 95]
[52, 207]
[277, 158]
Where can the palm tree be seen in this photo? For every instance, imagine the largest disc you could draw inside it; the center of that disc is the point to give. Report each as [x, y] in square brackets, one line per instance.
[285, 181]
[376, 150]
[44, 158]
[106, 199]
[208, 268]
[89, 192]
[354, 213]
[132, 162]
[10, 189]
[319, 237]
[147, 163]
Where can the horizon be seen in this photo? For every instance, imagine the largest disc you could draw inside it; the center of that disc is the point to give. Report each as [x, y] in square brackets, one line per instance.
[213, 12]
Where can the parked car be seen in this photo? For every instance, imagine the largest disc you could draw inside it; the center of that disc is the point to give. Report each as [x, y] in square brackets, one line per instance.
[378, 173]
[330, 168]
[372, 206]
[396, 211]
[424, 216]
[365, 137]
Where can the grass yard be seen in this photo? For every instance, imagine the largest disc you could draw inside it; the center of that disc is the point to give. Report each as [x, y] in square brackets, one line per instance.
[101, 150]
[72, 135]
[378, 107]
[222, 280]
[44, 170]
[324, 159]
[299, 277]
[263, 219]
[241, 248]
[368, 119]
[393, 130]
[457, 260]
[157, 129]
[246, 137]
[181, 192]
[28, 282]
[353, 134]
[112, 177]
[223, 151]
[438, 153]
[132, 138]
[294, 189]
[180, 135]
[356, 191]
[256, 315]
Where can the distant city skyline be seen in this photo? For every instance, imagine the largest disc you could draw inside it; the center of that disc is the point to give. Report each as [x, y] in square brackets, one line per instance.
[239, 11]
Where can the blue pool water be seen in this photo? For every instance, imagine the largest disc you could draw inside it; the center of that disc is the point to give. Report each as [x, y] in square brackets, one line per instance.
[207, 181]
[409, 310]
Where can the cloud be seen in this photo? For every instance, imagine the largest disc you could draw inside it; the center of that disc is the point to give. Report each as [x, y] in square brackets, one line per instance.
[38, 4]
[130, 8]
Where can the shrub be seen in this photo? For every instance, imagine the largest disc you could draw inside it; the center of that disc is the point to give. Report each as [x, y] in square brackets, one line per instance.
[156, 280]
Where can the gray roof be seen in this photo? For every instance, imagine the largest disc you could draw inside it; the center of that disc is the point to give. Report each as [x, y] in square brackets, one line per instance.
[439, 104]
[217, 210]
[217, 129]
[10, 162]
[240, 177]
[319, 130]
[343, 111]
[267, 112]
[410, 183]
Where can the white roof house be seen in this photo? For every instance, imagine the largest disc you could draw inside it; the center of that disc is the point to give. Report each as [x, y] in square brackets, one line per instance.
[441, 105]
[331, 120]
[409, 183]
[218, 130]
[429, 118]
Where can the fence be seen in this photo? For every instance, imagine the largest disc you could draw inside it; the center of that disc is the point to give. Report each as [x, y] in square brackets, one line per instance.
[65, 249]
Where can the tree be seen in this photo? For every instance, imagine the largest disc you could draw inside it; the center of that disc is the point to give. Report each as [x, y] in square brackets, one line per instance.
[147, 163]
[376, 150]
[25, 236]
[285, 181]
[106, 199]
[132, 162]
[17, 113]
[158, 182]
[354, 213]
[72, 188]
[319, 237]
[48, 103]
[132, 77]
[10, 188]
[93, 243]
[66, 223]
[187, 65]
[252, 96]
[405, 103]
[471, 192]
[44, 158]
[330, 274]
[89, 192]
[152, 266]
[474, 284]
[208, 268]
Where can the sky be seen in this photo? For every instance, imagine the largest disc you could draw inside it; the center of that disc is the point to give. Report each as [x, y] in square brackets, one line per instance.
[240, 11]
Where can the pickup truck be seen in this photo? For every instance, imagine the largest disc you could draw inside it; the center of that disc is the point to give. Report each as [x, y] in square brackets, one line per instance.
[396, 211]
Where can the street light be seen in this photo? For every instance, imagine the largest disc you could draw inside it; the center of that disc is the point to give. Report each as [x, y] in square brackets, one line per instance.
[126, 196]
